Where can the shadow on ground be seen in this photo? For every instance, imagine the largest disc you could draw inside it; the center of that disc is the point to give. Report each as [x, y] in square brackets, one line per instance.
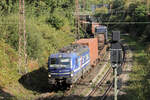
[5, 96]
[36, 80]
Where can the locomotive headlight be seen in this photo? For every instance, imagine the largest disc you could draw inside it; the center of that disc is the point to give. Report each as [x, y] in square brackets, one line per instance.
[72, 74]
[49, 75]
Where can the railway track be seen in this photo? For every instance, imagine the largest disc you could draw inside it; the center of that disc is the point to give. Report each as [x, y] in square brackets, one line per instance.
[99, 83]
[108, 89]
[104, 95]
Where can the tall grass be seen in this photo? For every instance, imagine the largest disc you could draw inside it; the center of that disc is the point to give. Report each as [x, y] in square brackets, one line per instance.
[139, 83]
[42, 40]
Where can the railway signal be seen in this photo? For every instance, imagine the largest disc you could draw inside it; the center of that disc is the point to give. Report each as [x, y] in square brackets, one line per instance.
[116, 57]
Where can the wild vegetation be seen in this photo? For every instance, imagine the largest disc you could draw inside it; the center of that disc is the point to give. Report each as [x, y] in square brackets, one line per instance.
[139, 84]
[129, 16]
[133, 17]
[47, 31]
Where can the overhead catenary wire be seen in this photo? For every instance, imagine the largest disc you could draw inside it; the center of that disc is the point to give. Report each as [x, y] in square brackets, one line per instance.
[104, 22]
[112, 12]
[120, 20]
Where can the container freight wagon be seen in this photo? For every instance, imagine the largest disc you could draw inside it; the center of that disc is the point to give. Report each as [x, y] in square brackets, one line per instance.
[93, 27]
[68, 65]
[92, 43]
[89, 27]
[102, 35]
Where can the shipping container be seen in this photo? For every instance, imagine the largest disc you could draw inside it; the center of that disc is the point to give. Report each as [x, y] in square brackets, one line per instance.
[92, 43]
[102, 30]
[101, 34]
[101, 41]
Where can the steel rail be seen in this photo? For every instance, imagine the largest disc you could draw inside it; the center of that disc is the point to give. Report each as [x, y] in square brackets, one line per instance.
[111, 85]
[107, 91]
[100, 83]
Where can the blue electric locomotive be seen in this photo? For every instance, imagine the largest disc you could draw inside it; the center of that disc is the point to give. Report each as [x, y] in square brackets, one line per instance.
[69, 64]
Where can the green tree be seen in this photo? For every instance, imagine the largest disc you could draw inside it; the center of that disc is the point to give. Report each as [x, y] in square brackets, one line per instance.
[56, 21]
[7, 6]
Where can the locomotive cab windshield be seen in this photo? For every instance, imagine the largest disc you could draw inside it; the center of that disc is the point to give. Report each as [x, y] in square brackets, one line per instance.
[60, 62]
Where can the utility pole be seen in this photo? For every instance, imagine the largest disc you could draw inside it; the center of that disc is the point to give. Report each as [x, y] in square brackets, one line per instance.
[115, 67]
[22, 64]
[84, 16]
[116, 78]
[77, 19]
[83, 1]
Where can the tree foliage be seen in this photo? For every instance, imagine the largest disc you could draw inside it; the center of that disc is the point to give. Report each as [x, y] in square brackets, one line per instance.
[137, 15]
[49, 25]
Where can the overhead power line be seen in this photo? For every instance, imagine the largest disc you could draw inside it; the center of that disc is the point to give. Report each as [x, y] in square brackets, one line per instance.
[104, 22]
[125, 22]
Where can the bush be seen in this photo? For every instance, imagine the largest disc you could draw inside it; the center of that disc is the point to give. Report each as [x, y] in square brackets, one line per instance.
[9, 30]
[46, 33]
[56, 21]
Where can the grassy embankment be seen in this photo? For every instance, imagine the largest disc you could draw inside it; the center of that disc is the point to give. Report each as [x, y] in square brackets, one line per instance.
[9, 85]
[139, 83]
[43, 40]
